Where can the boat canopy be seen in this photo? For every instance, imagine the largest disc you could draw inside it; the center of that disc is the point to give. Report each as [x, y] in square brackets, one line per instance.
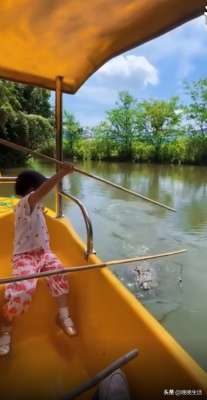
[41, 40]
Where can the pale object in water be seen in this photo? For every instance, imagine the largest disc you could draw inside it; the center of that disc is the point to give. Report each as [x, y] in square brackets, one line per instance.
[146, 277]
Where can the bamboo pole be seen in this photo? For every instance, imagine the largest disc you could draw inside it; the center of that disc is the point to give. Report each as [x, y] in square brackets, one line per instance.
[68, 270]
[43, 156]
[104, 373]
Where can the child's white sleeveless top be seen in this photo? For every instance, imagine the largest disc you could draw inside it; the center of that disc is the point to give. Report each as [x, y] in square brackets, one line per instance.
[30, 228]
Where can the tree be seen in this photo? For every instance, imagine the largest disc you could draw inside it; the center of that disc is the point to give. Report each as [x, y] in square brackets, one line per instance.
[20, 123]
[197, 109]
[34, 100]
[104, 141]
[122, 120]
[72, 133]
[159, 120]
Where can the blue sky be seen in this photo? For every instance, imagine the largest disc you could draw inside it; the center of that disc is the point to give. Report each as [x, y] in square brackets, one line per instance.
[155, 69]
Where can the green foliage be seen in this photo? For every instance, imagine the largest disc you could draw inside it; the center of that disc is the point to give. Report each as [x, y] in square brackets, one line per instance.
[122, 123]
[40, 131]
[34, 100]
[196, 150]
[140, 131]
[152, 130]
[160, 120]
[197, 110]
[25, 118]
[72, 134]
[143, 152]
[174, 152]
[104, 142]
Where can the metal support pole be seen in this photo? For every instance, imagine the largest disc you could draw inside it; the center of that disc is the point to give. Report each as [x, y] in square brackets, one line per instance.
[59, 140]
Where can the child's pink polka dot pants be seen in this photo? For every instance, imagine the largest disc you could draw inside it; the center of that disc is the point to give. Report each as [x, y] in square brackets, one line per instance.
[18, 295]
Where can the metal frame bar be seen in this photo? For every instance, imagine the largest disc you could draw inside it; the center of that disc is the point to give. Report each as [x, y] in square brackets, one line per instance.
[59, 141]
[59, 156]
[87, 220]
[7, 179]
[87, 267]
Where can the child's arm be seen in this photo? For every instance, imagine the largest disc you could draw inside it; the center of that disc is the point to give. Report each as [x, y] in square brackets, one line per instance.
[45, 188]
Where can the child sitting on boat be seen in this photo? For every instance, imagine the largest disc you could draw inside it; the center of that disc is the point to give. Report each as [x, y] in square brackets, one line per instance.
[32, 254]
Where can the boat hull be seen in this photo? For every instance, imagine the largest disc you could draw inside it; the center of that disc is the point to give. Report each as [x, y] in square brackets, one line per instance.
[46, 364]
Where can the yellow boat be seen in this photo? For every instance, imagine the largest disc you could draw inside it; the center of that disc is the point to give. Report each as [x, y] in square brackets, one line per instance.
[44, 363]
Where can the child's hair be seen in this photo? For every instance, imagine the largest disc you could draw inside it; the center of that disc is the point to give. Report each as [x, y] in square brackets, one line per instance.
[28, 180]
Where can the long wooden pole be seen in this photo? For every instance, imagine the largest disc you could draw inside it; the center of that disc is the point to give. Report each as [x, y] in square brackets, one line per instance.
[98, 178]
[69, 270]
[104, 373]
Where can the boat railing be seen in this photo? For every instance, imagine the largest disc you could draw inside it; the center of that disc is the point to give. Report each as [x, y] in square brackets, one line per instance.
[88, 224]
[87, 220]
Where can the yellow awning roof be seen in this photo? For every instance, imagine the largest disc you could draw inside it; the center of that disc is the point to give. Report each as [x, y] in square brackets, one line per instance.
[42, 39]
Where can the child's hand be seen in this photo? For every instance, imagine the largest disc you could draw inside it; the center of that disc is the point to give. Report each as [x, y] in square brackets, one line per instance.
[50, 183]
[66, 169]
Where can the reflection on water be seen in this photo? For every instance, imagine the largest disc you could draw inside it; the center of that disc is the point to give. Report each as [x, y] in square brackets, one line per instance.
[125, 226]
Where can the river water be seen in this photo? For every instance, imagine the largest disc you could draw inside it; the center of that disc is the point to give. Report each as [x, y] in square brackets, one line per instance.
[125, 226]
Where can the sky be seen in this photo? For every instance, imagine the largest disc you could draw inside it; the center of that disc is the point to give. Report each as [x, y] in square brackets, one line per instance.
[156, 69]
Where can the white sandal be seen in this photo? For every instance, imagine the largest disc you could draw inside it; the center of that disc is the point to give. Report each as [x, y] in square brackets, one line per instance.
[5, 341]
[67, 325]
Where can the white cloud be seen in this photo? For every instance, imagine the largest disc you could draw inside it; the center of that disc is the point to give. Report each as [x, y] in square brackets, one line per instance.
[89, 119]
[126, 72]
[179, 111]
[166, 61]
[128, 66]
[101, 94]
[185, 43]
